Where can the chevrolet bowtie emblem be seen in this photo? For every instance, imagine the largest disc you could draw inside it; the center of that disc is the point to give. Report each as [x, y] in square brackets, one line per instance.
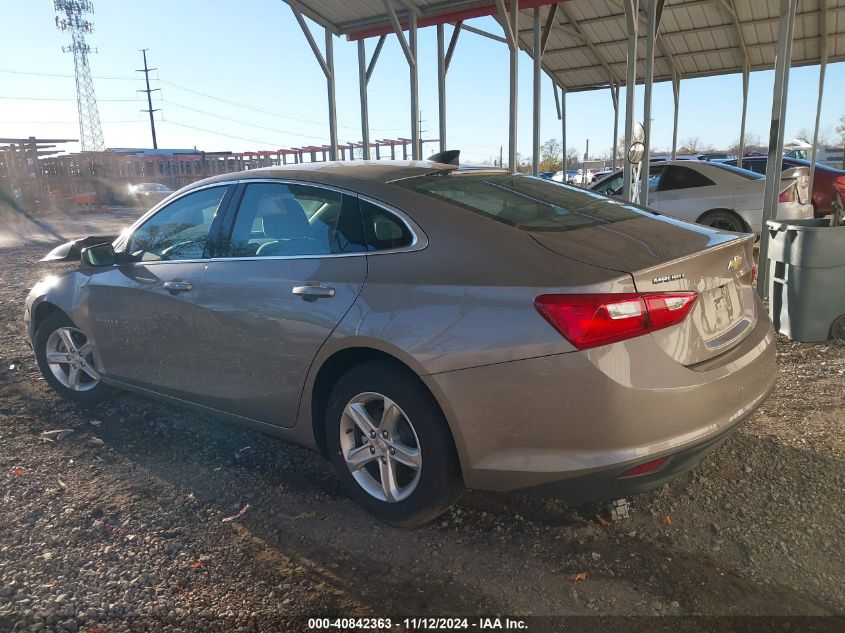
[735, 264]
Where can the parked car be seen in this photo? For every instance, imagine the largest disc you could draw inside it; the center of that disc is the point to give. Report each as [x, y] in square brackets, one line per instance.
[150, 190]
[828, 183]
[715, 194]
[426, 326]
[547, 175]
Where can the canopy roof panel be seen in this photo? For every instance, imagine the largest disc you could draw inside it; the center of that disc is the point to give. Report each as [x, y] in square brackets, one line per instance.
[587, 44]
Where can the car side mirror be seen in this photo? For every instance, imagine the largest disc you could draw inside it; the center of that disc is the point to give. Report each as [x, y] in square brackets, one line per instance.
[99, 255]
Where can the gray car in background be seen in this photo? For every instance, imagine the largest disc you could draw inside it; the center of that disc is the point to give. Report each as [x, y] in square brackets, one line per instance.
[426, 326]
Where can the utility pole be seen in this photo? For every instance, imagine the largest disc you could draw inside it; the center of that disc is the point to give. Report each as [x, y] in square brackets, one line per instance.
[501, 156]
[149, 92]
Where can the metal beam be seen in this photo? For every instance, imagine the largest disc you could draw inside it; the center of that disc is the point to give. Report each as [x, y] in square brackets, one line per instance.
[409, 47]
[596, 52]
[676, 94]
[631, 9]
[563, 127]
[651, 32]
[372, 65]
[740, 153]
[327, 64]
[510, 25]
[775, 156]
[453, 42]
[547, 29]
[730, 7]
[362, 89]
[535, 119]
[614, 95]
[441, 85]
[822, 69]
[487, 34]
[297, 13]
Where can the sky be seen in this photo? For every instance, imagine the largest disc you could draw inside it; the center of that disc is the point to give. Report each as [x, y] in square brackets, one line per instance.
[240, 76]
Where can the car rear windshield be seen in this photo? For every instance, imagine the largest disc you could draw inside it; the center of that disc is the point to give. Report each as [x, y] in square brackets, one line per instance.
[528, 203]
[737, 171]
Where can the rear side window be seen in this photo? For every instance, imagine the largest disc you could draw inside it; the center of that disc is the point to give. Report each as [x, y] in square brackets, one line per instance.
[383, 230]
[527, 203]
[677, 177]
[277, 219]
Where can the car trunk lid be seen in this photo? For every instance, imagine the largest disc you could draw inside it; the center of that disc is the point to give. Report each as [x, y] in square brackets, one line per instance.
[663, 255]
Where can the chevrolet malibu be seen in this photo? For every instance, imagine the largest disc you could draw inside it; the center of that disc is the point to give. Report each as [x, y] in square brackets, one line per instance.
[426, 325]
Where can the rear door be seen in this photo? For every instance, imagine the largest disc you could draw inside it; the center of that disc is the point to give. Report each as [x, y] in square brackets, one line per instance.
[294, 264]
[686, 193]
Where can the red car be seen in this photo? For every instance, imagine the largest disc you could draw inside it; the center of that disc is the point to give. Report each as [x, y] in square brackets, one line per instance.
[828, 183]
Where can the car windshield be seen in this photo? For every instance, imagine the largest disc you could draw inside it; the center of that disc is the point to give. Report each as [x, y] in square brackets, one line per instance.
[525, 202]
[744, 173]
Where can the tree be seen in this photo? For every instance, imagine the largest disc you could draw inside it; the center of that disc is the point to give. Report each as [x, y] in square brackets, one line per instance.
[573, 158]
[550, 156]
[694, 145]
[841, 128]
[752, 144]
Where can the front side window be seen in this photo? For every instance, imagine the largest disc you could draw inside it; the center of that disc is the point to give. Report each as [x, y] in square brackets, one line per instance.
[525, 202]
[179, 231]
[611, 186]
[677, 177]
[280, 220]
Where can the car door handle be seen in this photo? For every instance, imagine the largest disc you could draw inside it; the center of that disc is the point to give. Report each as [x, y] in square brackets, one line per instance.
[313, 291]
[175, 287]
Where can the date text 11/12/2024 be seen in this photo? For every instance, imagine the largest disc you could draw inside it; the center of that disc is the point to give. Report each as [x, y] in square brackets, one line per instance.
[418, 624]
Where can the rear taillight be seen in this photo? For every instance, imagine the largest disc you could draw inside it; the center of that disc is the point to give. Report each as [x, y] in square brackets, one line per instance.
[839, 184]
[590, 320]
[788, 194]
[753, 274]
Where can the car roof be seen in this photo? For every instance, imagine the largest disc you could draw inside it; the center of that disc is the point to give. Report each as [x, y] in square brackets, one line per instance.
[380, 171]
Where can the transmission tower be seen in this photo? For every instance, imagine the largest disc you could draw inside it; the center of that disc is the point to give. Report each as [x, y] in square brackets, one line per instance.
[71, 16]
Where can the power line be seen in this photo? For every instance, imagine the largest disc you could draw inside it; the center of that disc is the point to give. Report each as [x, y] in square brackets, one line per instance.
[227, 118]
[238, 138]
[39, 74]
[60, 99]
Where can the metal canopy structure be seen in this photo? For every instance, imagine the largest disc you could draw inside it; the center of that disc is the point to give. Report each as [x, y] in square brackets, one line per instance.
[593, 44]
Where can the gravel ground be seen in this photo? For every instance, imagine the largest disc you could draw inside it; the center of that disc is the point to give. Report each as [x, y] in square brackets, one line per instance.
[118, 525]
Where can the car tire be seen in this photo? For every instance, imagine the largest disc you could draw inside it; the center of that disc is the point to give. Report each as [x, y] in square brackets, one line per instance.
[367, 447]
[723, 220]
[837, 328]
[74, 377]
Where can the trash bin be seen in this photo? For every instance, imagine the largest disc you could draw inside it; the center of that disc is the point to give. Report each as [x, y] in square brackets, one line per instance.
[807, 279]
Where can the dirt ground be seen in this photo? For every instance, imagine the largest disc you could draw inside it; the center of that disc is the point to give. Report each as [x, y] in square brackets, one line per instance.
[118, 526]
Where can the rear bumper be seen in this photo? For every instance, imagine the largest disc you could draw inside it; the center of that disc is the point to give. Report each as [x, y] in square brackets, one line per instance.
[606, 484]
[568, 425]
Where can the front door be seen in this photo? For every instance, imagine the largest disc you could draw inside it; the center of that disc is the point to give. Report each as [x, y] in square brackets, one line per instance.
[143, 309]
[293, 268]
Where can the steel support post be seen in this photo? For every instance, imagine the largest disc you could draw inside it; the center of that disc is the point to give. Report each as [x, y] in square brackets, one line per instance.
[563, 127]
[327, 65]
[511, 27]
[783, 60]
[331, 94]
[822, 69]
[535, 119]
[416, 149]
[651, 26]
[441, 86]
[362, 88]
[631, 19]
[740, 153]
[614, 95]
[676, 93]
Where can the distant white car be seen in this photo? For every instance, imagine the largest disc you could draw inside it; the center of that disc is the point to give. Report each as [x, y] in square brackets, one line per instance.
[715, 194]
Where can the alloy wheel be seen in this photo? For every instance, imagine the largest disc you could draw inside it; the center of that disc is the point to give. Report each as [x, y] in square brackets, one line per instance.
[69, 356]
[380, 447]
